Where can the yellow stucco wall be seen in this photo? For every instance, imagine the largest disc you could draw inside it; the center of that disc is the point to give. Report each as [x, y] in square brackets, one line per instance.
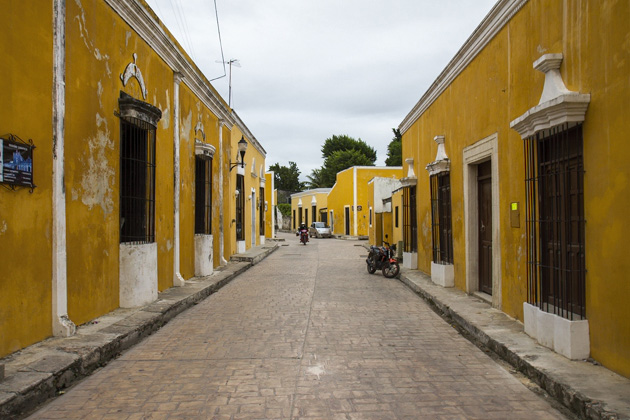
[382, 215]
[99, 47]
[192, 113]
[306, 197]
[93, 87]
[397, 234]
[26, 111]
[255, 158]
[342, 196]
[498, 86]
[271, 205]
[597, 51]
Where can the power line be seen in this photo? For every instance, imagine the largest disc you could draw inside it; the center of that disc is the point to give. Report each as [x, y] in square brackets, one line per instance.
[186, 29]
[180, 20]
[216, 13]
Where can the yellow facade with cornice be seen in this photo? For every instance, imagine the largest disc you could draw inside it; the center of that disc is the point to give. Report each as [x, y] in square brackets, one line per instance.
[498, 86]
[101, 43]
[349, 200]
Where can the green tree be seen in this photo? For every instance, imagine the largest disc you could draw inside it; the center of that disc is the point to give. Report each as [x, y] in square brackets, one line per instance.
[285, 209]
[314, 180]
[287, 177]
[394, 150]
[340, 160]
[339, 153]
[345, 142]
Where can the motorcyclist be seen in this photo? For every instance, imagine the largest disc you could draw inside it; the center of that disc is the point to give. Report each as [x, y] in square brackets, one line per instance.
[300, 229]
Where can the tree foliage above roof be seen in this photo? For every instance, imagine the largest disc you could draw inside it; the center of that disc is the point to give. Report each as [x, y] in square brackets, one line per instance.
[287, 178]
[394, 150]
[340, 153]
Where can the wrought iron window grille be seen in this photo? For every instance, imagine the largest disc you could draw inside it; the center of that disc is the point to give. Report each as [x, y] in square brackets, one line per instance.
[410, 226]
[555, 222]
[441, 225]
[203, 195]
[240, 207]
[138, 123]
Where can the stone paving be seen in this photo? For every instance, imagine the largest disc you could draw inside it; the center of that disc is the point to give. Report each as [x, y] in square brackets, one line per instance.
[305, 334]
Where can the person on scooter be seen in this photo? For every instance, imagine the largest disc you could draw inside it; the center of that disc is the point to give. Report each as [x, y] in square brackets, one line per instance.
[302, 228]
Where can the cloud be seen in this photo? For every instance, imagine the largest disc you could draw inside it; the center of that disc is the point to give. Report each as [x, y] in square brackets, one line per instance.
[314, 69]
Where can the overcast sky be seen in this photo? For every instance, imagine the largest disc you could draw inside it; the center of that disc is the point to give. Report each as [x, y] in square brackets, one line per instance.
[311, 69]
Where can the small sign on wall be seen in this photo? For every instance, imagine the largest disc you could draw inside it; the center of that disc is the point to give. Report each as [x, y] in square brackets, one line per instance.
[16, 158]
[515, 215]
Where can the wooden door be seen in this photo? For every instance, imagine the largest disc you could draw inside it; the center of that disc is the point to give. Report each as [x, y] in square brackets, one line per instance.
[484, 191]
[347, 220]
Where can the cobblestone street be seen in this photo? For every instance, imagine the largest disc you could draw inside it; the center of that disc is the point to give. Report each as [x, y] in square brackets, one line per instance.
[305, 334]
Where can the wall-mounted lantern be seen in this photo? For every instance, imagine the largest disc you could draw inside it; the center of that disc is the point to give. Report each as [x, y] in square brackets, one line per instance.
[242, 147]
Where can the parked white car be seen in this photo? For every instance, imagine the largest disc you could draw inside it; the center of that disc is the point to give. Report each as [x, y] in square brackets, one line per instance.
[319, 230]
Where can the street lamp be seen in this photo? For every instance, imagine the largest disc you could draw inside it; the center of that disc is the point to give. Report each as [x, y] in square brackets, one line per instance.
[242, 147]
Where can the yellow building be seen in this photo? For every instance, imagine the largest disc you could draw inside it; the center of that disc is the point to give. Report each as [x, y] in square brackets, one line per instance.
[270, 206]
[349, 202]
[125, 191]
[516, 145]
[309, 206]
[247, 225]
[384, 212]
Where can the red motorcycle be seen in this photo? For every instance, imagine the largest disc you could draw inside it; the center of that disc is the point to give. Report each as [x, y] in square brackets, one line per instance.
[383, 258]
[303, 235]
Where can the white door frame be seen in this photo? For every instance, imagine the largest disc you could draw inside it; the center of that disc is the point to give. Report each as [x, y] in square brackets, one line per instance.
[483, 150]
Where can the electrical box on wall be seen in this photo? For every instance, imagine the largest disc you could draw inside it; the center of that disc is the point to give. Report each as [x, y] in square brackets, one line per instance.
[515, 215]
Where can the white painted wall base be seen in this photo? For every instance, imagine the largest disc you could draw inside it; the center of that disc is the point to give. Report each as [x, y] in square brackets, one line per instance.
[410, 260]
[203, 255]
[138, 275]
[240, 247]
[568, 338]
[530, 319]
[545, 326]
[443, 274]
[571, 338]
[261, 240]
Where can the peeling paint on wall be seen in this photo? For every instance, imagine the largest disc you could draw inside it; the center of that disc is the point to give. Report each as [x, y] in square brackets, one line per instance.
[166, 114]
[3, 227]
[99, 93]
[98, 175]
[185, 128]
[86, 38]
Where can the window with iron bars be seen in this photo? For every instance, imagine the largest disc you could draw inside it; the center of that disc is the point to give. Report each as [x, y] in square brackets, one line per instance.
[410, 227]
[203, 195]
[556, 272]
[441, 230]
[137, 181]
[240, 208]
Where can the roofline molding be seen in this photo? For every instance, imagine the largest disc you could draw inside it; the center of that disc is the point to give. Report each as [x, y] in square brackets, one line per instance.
[494, 21]
[142, 19]
[241, 126]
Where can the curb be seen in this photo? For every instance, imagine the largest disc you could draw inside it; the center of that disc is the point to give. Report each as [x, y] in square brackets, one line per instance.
[42, 371]
[561, 391]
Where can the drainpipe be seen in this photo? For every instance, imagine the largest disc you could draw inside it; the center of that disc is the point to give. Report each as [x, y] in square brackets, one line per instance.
[61, 324]
[222, 260]
[178, 280]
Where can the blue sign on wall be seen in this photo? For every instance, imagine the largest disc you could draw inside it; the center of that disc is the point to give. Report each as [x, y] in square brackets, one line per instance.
[16, 158]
